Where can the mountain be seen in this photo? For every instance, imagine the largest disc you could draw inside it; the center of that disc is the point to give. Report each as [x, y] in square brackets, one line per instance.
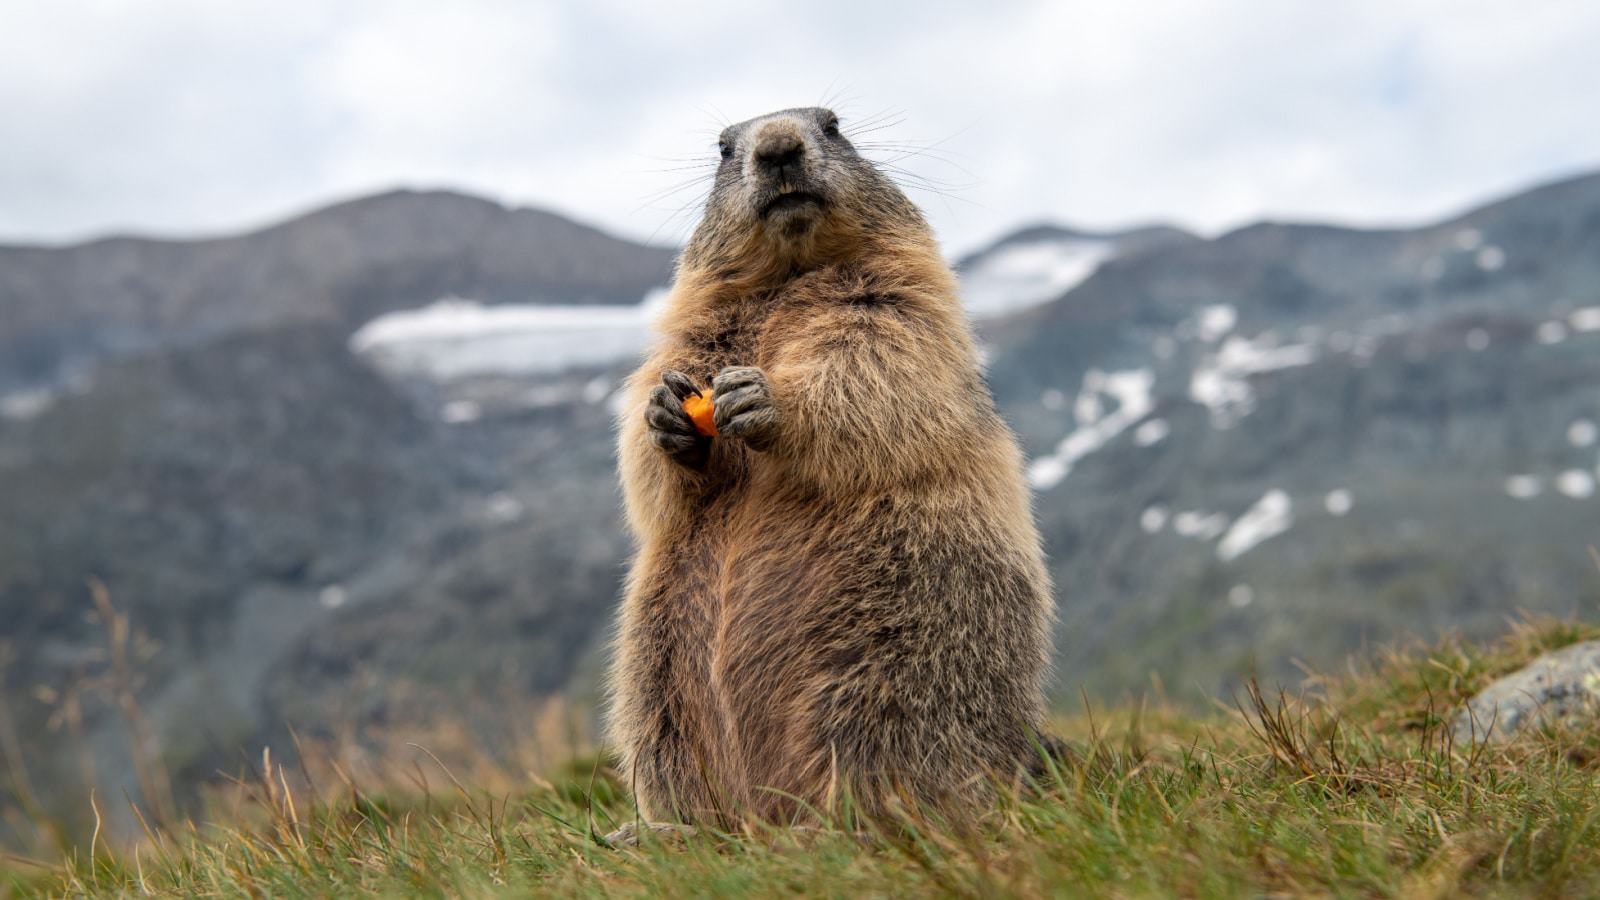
[1041, 262]
[67, 308]
[352, 474]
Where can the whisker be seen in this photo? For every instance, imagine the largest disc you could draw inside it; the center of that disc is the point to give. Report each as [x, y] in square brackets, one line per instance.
[898, 154]
[928, 180]
[935, 149]
[680, 223]
[691, 167]
[680, 165]
[835, 96]
[718, 118]
[672, 191]
[876, 123]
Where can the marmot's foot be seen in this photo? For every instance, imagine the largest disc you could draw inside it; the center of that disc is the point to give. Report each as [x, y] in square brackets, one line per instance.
[799, 836]
[805, 836]
[630, 834]
[670, 426]
[743, 407]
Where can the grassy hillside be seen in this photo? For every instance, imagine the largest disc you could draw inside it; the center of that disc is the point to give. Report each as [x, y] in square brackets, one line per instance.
[1351, 788]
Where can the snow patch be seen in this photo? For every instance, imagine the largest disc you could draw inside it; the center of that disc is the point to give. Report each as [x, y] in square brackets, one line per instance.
[1088, 408]
[1221, 383]
[1152, 432]
[455, 338]
[1582, 433]
[1586, 319]
[1153, 519]
[1576, 483]
[1130, 389]
[1200, 524]
[1271, 516]
[26, 404]
[1214, 322]
[457, 412]
[1338, 502]
[1523, 487]
[1552, 332]
[1241, 595]
[1491, 259]
[502, 508]
[1028, 274]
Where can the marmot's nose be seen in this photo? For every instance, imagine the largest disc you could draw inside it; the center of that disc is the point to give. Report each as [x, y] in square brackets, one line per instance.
[780, 154]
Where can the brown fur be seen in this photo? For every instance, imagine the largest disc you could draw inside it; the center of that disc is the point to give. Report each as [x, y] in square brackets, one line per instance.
[844, 593]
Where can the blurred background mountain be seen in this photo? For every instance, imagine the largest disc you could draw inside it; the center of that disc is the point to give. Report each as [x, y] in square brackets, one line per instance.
[353, 473]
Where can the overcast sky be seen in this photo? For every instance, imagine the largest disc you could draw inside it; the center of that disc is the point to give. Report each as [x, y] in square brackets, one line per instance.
[194, 117]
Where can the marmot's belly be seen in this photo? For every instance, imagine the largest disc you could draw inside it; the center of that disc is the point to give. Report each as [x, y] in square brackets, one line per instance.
[805, 588]
[817, 609]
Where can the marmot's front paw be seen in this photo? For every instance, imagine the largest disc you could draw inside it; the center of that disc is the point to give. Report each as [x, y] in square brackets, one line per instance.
[670, 427]
[743, 407]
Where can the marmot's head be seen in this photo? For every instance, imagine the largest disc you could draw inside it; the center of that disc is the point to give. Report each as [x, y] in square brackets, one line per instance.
[792, 193]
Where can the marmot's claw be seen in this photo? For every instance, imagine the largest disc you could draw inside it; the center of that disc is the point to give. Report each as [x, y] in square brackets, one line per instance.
[679, 383]
[665, 412]
[671, 428]
[743, 408]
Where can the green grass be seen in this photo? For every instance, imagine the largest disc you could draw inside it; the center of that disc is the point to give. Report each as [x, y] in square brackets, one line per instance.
[1352, 789]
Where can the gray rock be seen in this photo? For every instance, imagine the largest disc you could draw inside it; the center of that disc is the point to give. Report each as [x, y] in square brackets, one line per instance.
[1558, 688]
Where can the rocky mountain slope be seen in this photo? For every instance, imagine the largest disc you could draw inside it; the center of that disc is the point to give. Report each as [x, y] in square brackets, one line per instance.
[355, 470]
[1294, 440]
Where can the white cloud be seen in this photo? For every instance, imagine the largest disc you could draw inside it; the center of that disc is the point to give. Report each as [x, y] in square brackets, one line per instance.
[186, 116]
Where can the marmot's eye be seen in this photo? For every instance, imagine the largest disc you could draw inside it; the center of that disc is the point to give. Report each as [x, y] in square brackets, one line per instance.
[832, 128]
[726, 148]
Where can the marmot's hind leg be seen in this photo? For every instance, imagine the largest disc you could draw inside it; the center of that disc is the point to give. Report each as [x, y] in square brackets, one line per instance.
[671, 783]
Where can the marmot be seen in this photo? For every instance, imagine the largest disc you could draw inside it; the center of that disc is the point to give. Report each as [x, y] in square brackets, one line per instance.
[843, 593]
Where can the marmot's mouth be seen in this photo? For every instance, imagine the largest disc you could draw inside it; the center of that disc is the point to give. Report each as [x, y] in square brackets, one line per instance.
[791, 201]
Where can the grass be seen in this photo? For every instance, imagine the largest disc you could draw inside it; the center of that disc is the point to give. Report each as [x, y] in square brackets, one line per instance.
[1351, 788]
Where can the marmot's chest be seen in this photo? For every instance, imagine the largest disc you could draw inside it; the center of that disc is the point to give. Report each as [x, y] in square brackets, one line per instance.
[735, 338]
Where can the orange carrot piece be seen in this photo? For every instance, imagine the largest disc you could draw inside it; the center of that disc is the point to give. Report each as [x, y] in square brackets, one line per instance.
[699, 409]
